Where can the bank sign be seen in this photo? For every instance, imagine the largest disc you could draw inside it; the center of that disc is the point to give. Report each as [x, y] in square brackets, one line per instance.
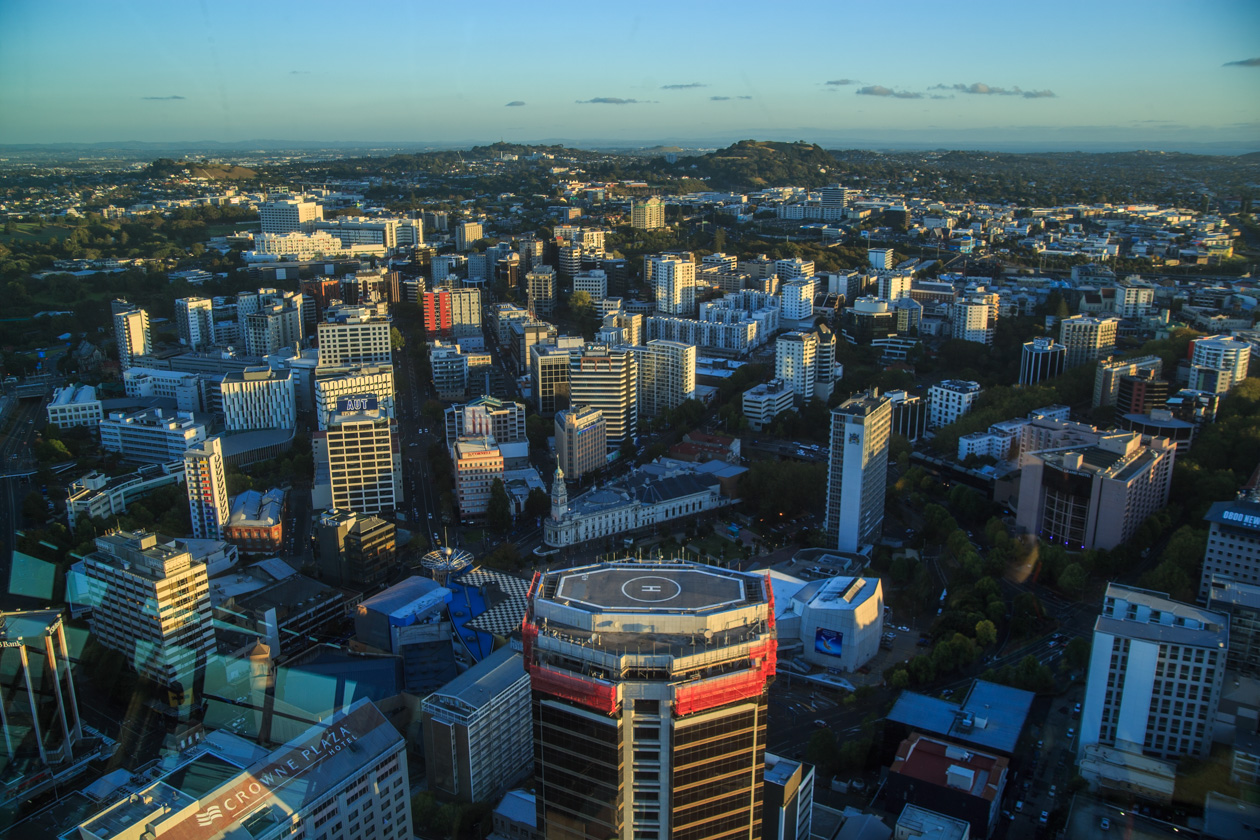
[830, 642]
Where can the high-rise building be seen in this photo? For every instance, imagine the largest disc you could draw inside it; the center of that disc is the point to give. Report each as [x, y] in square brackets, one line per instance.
[549, 371]
[789, 799]
[153, 436]
[451, 312]
[1155, 675]
[205, 479]
[1241, 602]
[131, 332]
[857, 470]
[355, 335]
[270, 320]
[1041, 359]
[581, 441]
[1110, 370]
[257, 398]
[1087, 338]
[1218, 363]
[467, 234]
[320, 292]
[353, 549]
[478, 730]
[975, 317]
[1134, 297]
[794, 268]
[194, 319]
[540, 289]
[1233, 546]
[647, 215]
[806, 362]
[594, 282]
[667, 376]
[1141, 393]
[880, 258]
[289, 215]
[868, 319]
[607, 378]
[151, 601]
[336, 383]
[650, 685]
[674, 282]
[358, 465]
[478, 462]
[893, 285]
[798, 300]
[949, 400]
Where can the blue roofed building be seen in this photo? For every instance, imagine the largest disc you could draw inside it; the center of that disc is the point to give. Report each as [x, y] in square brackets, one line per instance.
[411, 619]
[991, 717]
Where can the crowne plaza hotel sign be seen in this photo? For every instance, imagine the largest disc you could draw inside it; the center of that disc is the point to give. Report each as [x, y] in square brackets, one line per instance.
[302, 762]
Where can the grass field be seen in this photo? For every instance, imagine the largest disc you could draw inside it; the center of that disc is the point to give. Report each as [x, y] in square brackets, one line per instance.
[31, 232]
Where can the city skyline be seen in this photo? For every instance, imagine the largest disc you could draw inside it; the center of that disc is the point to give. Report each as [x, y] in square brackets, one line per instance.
[1120, 75]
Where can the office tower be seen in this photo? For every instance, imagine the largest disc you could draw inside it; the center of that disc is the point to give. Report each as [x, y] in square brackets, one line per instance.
[39, 711]
[674, 282]
[857, 470]
[289, 215]
[504, 420]
[151, 602]
[153, 436]
[259, 398]
[647, 215]
[1241, 603]
[321, 292]
[336, 383]
[621, 329]
[478, 730]
[450, 312]
[868, 319]
[880, 258]
[353, 549]
[1140, 393]
[478, 462]
[794, 268]
[131, 332]
[541, 290]
[763, 403]
[1110, 370]
[531, 252]
[194, 319]
[205, 479]
[467, 234]
[358, 465]
[1087, 338]
[1218, 363]
[549, 370]
[667, 376]
[607, 378]
[950, 400]
[1233, 546]
[361, 230]
[798, 300]
[1041, 359]
[269, 320]
[909, 415]
[634, 735]
[975, 317]
[581, 441]
[1155, 675]
[789, 799]
[593, 282]
[355, 335]
[1094, 495]
[893, 285]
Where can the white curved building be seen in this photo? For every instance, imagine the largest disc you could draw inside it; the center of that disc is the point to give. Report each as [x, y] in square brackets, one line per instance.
[839, 621]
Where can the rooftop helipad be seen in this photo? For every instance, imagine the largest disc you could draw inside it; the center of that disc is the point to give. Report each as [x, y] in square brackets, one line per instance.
[650, 588]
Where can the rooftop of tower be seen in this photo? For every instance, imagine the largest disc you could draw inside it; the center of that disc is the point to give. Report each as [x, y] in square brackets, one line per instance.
[641, 587]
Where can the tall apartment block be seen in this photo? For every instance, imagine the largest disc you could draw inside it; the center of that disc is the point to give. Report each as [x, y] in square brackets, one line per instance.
[358, 465]
[650, 685]
[674, 281]
[1107, 376]
[581, 441]
[450, 312]
[594, 282]
[763, 403]
[289, 215]
[1087, 338]
[467, 234]
[857, 470]
[540, 289]
[1041, 359]
[798, 300]
[1218, 363]
[1241, 603]
[194, 320]
[1155, 675]
[975, 317]
[270, 320]
[504, 420]
[806, 362]
[151, 602]
[880, 258]
[949, 400]
[355, 335]
[647, 215]
[258, 398]
[354, 549]
[478, 729]
[131, 332]
[667, 375]
[1233, 547]
[607, 378]
[205, 479]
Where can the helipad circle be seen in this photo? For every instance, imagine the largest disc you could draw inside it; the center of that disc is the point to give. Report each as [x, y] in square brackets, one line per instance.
[651, 589]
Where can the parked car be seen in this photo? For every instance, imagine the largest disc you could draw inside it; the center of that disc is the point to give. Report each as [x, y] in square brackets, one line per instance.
[1045, 818]
[822, 724]
[1104, 824]
[1019, 805]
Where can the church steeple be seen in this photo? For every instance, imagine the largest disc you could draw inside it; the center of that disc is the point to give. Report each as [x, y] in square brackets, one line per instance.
[559, 496]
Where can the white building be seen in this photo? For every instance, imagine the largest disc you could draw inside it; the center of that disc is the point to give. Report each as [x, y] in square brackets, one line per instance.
[153, 436]
[299, 247]
[666, 376]
[975, 318]
[337, 382]
[1041, 359]
[205, 479]
[189, 391]
[98, 496]
[1087, 339]
[762, 403]
[358, 465]
[194, 319]
[806, 362]
[950, 400]
[798, 300]
[581, 441]
[1155, 675]
[674, 282]
[131, 331]
[839, 620]
[1233, 547]
[1218, 363]
[857, 470]
[289, 215]
[593, 282]
[467, 234]
[259, 398]
[893, 285]
[793, 268]
[73, 406]
[355, 335]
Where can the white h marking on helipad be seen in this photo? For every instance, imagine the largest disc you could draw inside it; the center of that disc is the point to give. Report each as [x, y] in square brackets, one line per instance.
[651, 589]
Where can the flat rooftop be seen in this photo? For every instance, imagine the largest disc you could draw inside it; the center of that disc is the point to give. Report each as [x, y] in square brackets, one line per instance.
[649, 588]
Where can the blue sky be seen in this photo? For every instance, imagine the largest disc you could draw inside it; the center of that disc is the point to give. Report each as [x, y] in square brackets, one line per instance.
[1053, 75]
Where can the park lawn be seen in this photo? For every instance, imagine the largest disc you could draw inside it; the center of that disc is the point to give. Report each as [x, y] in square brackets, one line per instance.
[31, 232]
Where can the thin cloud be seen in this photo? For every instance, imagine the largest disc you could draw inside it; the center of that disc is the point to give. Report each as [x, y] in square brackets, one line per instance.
[719, 99]
[683, 87]
[880, 90]
[743, 97]
[162, 98]
[1246, 62]
[841, 82]
[608, 100]
[981, 89]
[299, 72]
[515, 103]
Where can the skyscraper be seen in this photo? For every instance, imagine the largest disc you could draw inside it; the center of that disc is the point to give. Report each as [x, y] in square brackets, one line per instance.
[607, 378]
[131, 331]
[674, 281]
[540, 287]
[194, 319]
[355, 335]
[467, 234]
[647, 215]
[358, 465]
[806, 362]
[667, 375]
[650, 700]
[206, 483]
[1040, 360]
[857, 470]
[1087, 339]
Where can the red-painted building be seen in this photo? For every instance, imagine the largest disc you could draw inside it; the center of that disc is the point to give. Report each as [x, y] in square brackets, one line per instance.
[437, 313]
[256, 524]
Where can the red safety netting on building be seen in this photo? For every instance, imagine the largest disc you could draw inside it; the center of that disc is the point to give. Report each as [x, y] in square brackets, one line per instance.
[595, 694]
[719, 691]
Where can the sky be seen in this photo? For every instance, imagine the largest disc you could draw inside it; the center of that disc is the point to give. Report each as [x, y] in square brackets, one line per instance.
[1089, 75]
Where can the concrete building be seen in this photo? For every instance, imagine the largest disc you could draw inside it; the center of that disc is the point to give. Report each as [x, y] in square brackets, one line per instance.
[893, 285]
[762, 403]
[289, 215]
[1241, 602]
[1155, 675]
[540, 291]
[594, 282]
[1233, 547]
[950, 400]
[1040, 360]
[666, 376]
[358, 465]
[798, 300]
[909, 414]
[353, 549]
[1141, 393]
[259, 398]
[790, 269]
[190, 391]
[581, 441]
[1111, 370]
[478, 730]
[256, 522]
[940, 776]
[881, 259]
[674, 283]
[857, 470]
[194, 320]
[915, 823]
[1094, 496]
[975, 317]
[607, 378]
[153, 436]
[503, 420]
[467, 234]
[452, 312]
[411, 619]
[98, 496]
[867, 320]
[478, 462]
[629, 659]
[205, 479]
[549, 375]
[1087, 338]
[805, 362]
[789, 799]
[152, 603]
[647, 215]
[1219, 363]
[131, 332]
[355, 335]
[335, 384]
[271, 320]
[839, 620]
[74, 406]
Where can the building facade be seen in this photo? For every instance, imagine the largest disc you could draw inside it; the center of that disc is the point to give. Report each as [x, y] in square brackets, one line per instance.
[259, 398]
[358, 465]
[1041, 359]
[666, 376]
[355, 335]
[762, 403]
[152, 436]
[1233, 547]
[478, 463]
[205, 479]
[194, 320]
[131, 332]
[607, 378]
[950, 400]
[74, 406]
[1087, 338]
[857, 470]
[581, 441]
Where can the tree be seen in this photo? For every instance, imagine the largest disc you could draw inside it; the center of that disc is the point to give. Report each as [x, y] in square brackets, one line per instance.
[986, 633]
[538, 503]
[1073, 579]
[537, 430]
[1076, 654]
[822, 751]
[34, 508]
[499, 508]
[396, 339]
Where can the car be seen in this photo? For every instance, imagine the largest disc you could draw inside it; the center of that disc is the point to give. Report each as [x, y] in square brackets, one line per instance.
[1076, 710]
[1019, 805]
[858, 785]
[1071, 733]
[1104, 824]
[1054, 791]
[820, 723]
[1045, 818]
[1040, 744]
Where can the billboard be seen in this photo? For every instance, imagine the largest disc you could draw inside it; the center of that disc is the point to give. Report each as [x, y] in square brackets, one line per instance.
[829, 642]
[360, 402]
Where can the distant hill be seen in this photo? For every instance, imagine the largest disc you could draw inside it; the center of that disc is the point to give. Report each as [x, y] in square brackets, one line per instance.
[211, 171]
[754, 164]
